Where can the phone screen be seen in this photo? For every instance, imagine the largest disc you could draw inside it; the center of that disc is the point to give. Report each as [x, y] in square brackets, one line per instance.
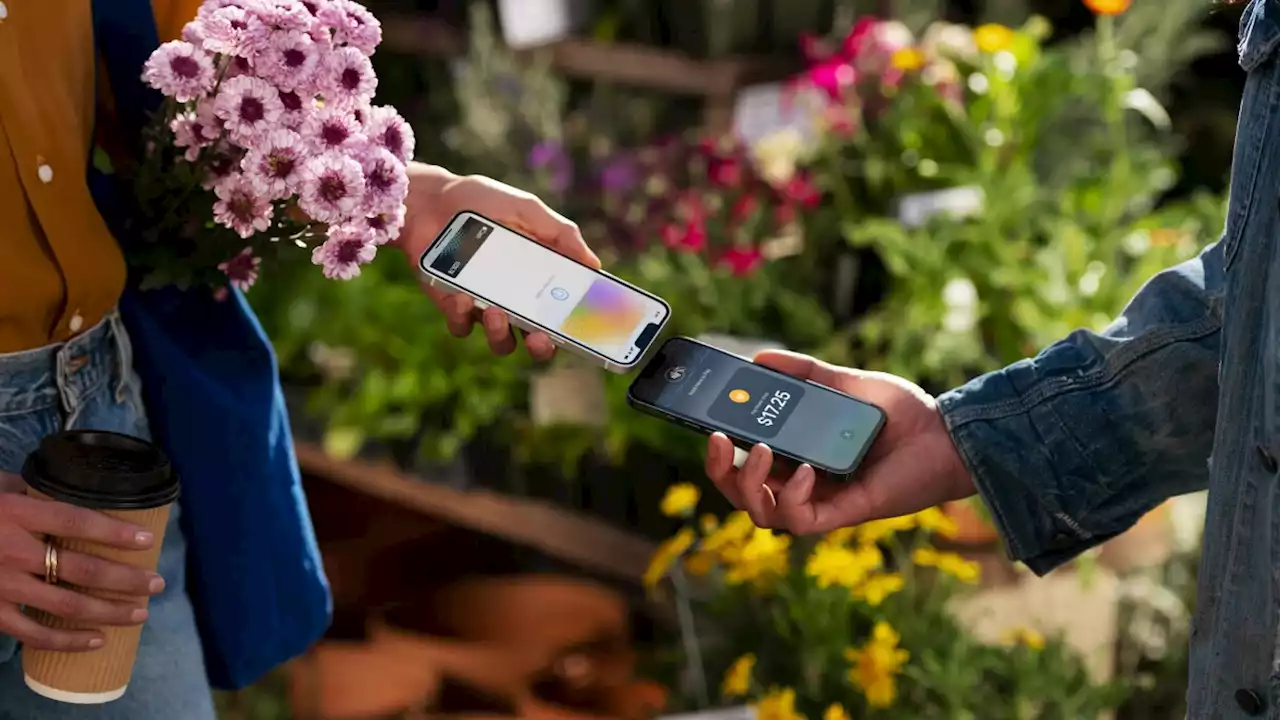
[718, 391]
[589, 308]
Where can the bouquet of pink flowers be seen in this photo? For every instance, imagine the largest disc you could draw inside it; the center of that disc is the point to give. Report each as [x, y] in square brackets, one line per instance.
[267, 145]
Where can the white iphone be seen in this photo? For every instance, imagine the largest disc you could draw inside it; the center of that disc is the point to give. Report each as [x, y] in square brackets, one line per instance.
[586, 311]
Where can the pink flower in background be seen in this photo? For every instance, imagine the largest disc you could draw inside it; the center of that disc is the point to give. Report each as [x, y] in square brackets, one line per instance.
[332, 129]
[725, 171]
[289, 60]
[195, 130]
[386, 184]
[242, 270]
[384, 227]
[249, 106]
[332, 188]
[285, 15]
[690, 237]
[180, 70]
[801, 190]
[350, 80]
[385, 127]
[343, 253]
[276, 163]
[741, 261]
[231, 30]
[241, 205]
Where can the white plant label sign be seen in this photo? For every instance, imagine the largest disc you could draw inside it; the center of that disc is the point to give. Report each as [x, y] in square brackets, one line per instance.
[530, 23]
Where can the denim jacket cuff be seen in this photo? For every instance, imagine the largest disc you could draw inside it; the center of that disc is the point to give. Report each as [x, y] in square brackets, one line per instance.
[1015, 457]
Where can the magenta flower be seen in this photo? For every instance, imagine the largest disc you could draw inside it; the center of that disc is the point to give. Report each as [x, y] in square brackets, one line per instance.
[332, 188]
[241, 205]
[289, 60]
[384, 227]
[249, 106]
[242, 270]
[343, 253]
[385, 127]
[332, 128]
[233, 30]
[285, 16]
[350, 24]
[180, 70]
[386, 183]
[350, 80]
[275, 163]
[741, 261]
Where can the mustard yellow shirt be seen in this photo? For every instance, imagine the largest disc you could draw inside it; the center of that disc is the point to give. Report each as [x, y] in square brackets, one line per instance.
[60, 269]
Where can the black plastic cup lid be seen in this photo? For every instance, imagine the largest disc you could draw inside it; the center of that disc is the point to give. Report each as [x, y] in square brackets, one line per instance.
[102, 471]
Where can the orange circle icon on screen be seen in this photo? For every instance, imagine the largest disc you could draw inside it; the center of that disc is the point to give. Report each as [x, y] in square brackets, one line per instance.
[739, 396]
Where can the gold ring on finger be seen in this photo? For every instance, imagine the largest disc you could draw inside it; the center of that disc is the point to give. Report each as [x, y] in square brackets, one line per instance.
[50, 562]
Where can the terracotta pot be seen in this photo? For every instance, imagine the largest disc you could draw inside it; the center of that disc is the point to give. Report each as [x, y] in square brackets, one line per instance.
[972, 529]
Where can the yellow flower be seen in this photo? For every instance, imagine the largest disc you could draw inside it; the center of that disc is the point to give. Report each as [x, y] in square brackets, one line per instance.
[1026, 637]
[762, 558]
[876, 666]
[778, 704]
[876, 588]
[839, 565]
[737, 679]
[1107, 7]
[708, 523]
[666, 554]
[880, 530]
[735, 529]
[700, 563]
[680, 500]
[936, 521]
[992, 37]
[840, 536]
[907, 59]
[966, 571]
[835, 712]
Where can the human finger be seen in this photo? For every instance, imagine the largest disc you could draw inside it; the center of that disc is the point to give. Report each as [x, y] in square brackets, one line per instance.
[805, 367]
[34, 635]
[497, 330]
[26, 553]
[68, 521]
[539, 346]
[795, 509]
[752, 488]
[30, 591]
[720, 470]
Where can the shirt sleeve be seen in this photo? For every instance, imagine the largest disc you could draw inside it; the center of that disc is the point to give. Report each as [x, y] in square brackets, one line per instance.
[1072, 447]
[173, 15]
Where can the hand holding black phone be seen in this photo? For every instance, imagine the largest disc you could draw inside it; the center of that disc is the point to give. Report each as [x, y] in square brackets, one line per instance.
[709, 390]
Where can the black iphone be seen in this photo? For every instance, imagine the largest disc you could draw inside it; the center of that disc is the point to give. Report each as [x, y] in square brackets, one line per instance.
[709, 390]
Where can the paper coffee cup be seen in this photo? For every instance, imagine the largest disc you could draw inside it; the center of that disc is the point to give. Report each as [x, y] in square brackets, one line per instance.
[128, 479]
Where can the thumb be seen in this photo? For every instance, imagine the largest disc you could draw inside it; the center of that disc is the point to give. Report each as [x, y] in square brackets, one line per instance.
[11, 483]
[795, 510]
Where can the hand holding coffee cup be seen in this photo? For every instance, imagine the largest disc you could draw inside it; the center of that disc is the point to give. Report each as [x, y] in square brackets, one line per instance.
[26, 562]
[90, 529]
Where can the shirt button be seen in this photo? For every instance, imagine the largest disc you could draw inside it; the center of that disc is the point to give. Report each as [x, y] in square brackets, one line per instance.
[1249, 701]
[44, 172]
[1268, 460]
[76, 322]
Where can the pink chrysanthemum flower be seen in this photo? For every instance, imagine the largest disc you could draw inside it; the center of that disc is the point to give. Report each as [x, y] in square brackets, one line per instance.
[351, 25]
[289, 60]
[332, 188]
[332, 128]
[242, 270]
[195, 130]
[295, 106]
[242, 206]
[222, 162]
[383, 227]
[386, 183]
[386, 128]
[349, 78]
[343, 253]
[285, 15]
[180, 70]
[249, 106]
[275, 163]
[234, 30]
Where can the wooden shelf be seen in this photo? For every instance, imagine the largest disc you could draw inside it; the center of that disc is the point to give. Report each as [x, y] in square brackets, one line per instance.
[561, 534]
[641, 66]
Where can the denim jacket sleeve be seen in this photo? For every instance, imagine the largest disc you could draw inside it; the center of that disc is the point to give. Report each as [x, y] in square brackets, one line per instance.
[1072, 447]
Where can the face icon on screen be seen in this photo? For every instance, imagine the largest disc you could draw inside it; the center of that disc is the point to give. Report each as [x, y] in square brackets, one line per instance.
[756, 402]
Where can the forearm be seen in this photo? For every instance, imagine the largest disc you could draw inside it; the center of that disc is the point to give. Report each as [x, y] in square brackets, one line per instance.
[1072, 447]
